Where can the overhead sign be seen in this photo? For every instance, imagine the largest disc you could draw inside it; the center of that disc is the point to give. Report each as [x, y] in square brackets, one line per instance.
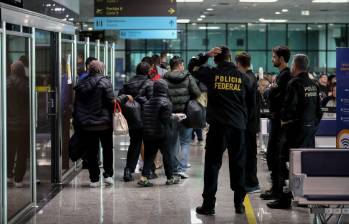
[116, 8]
[148, 34]
[135, 23]
[342, 98]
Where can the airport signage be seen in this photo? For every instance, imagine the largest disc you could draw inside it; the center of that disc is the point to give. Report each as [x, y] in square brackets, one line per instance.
[135, 23]
[148, 34]
[342, 98]
[116, 8]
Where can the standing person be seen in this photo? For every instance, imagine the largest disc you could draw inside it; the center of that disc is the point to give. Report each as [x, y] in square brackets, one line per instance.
[157, 61]
[182, 88]
[153, 72]
[228, 99]
[280, 58]
[18, 125]
[140, 87]
[88, 61]
[157, 119]
[243, 63]
[93, 120]
[324, 88]
[300, 117]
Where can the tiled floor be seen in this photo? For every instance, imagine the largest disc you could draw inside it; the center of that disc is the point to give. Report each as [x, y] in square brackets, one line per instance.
[128, 203]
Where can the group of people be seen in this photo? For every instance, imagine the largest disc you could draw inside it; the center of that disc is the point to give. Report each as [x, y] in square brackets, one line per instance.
[230, 93]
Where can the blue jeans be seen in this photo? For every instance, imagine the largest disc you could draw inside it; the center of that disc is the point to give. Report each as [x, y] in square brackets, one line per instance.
[184, 142]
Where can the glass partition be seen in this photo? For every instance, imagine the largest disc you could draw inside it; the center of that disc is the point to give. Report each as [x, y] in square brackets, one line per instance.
[296, 36]
[256, 36]
[81, 58]
[19, 193]
[101, 53]
[93, 50]
[237, 36]
[216, 35]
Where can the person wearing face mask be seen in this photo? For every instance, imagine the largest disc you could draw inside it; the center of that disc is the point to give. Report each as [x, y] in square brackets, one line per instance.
[300, 117]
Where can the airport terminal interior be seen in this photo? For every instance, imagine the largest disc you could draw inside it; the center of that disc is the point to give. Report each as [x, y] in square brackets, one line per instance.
[45, 43]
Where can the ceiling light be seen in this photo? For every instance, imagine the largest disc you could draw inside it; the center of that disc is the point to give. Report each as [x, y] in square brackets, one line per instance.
[258, 1]
[71, 19]
[90, 28]
[213, 5]
[194, 24]
[277, 13]
[272, 20]
[331, 24]
[209, 9]
[305, 12]
[199, 19]
[209, 28]
[189, 0]
[330, 1]
[284, 10]
[203, 16]
[183, 20]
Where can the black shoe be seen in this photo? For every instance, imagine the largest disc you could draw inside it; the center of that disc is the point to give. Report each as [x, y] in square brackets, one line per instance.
[269, 195]
[127, 175]
[240, 209]
[201, 210]
[152, 176]
[280, 204]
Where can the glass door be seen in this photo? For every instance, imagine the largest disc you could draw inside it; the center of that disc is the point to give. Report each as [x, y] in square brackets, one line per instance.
[66, 96]
[19, 187]
[46, 111]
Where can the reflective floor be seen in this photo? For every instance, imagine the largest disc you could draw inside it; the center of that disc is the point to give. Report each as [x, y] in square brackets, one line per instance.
[128, 203]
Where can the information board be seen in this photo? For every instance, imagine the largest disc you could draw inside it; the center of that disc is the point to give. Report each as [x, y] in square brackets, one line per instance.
[116, 8]
[148, 34]
[342, 98]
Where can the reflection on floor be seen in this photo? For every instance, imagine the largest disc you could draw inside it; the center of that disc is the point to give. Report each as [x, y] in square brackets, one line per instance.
[128, 203]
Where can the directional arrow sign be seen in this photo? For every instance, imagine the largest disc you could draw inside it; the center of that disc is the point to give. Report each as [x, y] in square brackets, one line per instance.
[148, 34]
[171, 11]
[135, 23]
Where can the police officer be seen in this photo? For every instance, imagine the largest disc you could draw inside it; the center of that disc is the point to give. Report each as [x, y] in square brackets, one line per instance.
[227, 115]
[243, 63]
[280, 58]
[300, 117]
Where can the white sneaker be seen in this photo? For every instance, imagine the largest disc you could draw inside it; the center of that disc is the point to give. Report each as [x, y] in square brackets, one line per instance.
[94, 184]
[109, 181]
[19, 184]
[183, 175]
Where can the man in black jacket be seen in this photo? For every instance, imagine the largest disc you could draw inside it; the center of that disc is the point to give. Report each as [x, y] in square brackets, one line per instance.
[93, 120]
[280, 58]
[300, 116]
[243, 63]
[182, 88]
[140, 87]
[228, 100]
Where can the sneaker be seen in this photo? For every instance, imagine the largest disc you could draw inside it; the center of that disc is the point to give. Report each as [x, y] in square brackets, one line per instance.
[173, 180]
[145, 183]
[188, 166]
[109, 181]
[19, 184]
[240, 209]
[182, 175]
[94, 184]
[253, 190]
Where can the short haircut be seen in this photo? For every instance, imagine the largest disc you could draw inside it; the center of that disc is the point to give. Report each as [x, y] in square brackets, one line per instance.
[225, 55]
[301, 62]
[322, 74]
[89, 60]
[244, 59]
[175, 62]
[156, 59]
[148, 60]
[143, 68]
[282, 51]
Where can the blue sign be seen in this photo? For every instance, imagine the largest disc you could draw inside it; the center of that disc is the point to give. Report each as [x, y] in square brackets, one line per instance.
[148, 34]
[135, 23]
[342, 98]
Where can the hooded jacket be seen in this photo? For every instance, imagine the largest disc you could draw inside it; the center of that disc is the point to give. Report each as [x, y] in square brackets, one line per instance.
[139, 87]
[182, 87]
[94, 103]
[157, 112]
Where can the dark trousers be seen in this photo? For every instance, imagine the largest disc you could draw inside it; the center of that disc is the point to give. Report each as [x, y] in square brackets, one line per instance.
[198, 132]
[219, 138]
[275, 143]
[18, 147]
[91, 141]
[134, 149]
[151, 148]
[251, 159]
[296, 136]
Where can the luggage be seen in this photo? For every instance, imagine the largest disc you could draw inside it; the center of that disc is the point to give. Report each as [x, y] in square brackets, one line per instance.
[133, 114]
[196, 115]
[76, 148]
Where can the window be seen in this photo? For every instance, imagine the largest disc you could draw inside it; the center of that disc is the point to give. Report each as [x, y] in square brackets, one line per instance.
[276, 35]
[336, 36]
[296, 36]
[237, 36]
[197, 37]
[216, 35]
[256, 36]
[316, 36]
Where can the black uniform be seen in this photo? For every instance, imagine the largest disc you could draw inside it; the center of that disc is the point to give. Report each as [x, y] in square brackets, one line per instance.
[251, 132]
[300, 116]
[275, 143]
[227, 116]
